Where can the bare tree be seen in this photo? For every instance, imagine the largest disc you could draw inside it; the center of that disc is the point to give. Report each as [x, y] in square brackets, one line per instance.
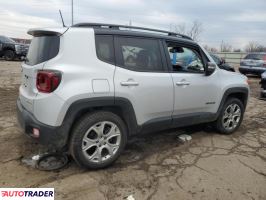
[193, 31]
[210, 49]
[252, 46]
[225, 47]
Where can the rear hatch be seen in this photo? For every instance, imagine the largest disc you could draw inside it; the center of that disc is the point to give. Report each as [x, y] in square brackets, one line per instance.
[44, 46]
[254, 60]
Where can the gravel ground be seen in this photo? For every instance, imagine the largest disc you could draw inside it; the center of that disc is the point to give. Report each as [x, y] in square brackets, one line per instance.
[155, 166]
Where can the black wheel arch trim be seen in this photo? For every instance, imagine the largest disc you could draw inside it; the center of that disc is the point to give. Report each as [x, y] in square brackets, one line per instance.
[120, 105]
[231, 91]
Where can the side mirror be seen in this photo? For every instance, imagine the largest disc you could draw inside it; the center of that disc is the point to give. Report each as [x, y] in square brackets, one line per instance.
[210, 68]
[222, 60]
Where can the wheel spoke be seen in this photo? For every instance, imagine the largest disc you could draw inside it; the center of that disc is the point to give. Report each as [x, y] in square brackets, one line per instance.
[97, 155]
[110, 149]
[88, 144]
[112, 131]
[226, 124]
[237, 113]
[233, 107]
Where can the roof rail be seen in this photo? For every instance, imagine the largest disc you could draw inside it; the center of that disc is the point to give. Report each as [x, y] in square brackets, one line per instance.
[115, 26]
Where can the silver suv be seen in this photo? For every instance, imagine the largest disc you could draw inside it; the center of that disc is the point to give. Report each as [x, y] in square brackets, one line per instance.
[89, 87]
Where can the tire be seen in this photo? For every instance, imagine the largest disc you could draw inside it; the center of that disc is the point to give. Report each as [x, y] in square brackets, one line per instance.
[229, 123]
[103, 147]
[9, 55]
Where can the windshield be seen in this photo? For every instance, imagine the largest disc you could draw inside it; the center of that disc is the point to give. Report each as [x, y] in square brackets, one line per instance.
[6, 39]
[255, 56]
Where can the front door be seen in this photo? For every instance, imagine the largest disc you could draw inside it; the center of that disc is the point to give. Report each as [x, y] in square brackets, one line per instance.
[194, 92]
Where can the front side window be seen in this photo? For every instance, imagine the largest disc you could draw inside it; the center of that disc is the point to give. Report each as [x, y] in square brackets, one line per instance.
[138, 54]
[184, 59]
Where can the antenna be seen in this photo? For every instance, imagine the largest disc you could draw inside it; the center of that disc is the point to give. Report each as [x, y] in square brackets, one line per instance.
[72, 16]
[62, 18]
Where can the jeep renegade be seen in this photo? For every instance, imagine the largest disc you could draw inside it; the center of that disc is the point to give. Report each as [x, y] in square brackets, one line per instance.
[88, 87]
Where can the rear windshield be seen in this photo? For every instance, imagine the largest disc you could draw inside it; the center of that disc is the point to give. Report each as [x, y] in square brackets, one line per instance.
[255, 56]
[42, 48]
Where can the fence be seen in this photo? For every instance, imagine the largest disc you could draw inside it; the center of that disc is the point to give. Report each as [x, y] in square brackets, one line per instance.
[232, 57]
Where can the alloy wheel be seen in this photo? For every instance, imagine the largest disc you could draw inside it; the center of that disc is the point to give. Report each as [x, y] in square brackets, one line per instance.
[101, 141]
[231, 116]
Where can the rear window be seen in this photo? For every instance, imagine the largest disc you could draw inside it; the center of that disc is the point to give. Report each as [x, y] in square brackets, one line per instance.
[42, 48]
[255, 56]
[105, 48]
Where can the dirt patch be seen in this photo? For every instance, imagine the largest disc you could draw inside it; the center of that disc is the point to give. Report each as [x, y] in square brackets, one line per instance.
[154, 166]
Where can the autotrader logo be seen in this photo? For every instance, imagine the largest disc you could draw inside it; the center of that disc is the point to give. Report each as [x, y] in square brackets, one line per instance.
[27, 193]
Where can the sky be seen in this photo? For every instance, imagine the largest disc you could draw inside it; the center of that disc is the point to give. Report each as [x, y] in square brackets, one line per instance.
[232, 21]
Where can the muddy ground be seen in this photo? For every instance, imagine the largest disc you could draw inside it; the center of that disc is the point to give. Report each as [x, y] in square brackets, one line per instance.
[155, 166]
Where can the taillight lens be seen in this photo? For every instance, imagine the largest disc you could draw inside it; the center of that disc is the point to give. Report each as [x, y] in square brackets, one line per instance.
[47, 81]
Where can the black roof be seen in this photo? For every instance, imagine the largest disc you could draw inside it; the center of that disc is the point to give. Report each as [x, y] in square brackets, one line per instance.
[131, 31]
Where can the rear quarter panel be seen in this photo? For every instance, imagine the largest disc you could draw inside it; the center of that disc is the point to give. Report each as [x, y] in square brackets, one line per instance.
[80, 68]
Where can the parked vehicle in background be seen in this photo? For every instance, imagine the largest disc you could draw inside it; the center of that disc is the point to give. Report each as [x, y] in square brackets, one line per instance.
[263, 85]
[253, 63]
[120, 83]
[11, 50]
[221, 63]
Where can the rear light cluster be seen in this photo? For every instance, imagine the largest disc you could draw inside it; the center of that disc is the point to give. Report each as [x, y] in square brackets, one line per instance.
[47, 81]
[264, 59]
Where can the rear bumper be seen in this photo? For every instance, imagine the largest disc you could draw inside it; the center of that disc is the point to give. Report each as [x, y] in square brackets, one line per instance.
[252, 70]
[50, 136]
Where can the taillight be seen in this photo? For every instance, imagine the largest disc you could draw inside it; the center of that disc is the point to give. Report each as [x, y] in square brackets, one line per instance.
[47, 81]
[264, 59]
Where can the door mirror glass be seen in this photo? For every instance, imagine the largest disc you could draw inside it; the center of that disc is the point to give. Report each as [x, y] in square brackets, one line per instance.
[210, 68]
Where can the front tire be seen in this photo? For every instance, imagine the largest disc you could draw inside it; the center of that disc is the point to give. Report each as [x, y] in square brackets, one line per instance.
[9, 55]
[230, 116]
[98, 139]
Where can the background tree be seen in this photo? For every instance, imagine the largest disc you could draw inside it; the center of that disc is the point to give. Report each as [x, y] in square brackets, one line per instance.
[210, 49]
[225, 47]
[193, 31]
[253, 46]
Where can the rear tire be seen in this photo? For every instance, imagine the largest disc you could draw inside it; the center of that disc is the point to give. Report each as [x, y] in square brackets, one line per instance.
[9, 55]
[98, 139]
[230, 116]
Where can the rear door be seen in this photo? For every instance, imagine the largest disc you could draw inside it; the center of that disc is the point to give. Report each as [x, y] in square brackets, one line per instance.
[42, 49]
[141, 76]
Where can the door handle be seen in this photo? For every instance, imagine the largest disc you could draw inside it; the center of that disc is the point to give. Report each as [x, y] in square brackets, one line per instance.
[181, 83]
[129, 83]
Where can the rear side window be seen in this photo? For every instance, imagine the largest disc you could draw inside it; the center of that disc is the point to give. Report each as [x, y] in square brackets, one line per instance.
[42, 48]
[139, 54]
[105, 48]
